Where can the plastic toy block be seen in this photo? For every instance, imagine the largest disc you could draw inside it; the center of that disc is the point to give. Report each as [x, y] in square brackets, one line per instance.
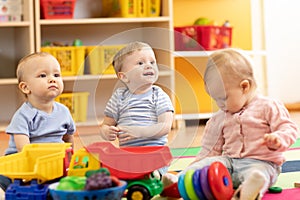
[19, 191]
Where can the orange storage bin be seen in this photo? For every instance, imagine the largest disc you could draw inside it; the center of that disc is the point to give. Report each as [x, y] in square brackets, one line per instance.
[195, 38]
[57, 9]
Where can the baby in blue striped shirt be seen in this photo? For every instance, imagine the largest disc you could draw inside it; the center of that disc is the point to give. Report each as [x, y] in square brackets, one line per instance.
[140, 113]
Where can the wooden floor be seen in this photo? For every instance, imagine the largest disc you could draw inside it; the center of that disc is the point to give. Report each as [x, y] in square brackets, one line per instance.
[183, 137]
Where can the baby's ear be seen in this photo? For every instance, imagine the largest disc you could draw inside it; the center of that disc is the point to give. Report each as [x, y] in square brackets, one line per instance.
[23, 87]
[245, 85]
[122, 76]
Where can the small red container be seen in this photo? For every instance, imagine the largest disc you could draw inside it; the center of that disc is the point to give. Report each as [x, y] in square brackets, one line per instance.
[195, 38]
[57, 9]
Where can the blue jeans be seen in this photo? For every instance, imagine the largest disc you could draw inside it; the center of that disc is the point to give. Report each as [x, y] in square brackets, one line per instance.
[241, 168]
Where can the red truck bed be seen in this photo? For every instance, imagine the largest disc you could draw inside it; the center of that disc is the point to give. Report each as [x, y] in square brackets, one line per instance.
[131, 162]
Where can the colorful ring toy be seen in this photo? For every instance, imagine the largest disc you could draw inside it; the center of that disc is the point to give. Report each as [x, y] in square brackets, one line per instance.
[188, 183]
[197, 184]
[275, 189]
[220, 181]
[181, 188]
[204, 183]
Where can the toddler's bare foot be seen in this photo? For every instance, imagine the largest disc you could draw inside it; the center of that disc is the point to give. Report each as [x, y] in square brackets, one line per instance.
[2, 194]
[250, 188]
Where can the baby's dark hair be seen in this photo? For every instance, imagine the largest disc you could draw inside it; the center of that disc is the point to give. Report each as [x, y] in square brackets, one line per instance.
[125, 51]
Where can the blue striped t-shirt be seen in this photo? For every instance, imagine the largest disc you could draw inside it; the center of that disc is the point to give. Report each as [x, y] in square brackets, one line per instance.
[129, 109]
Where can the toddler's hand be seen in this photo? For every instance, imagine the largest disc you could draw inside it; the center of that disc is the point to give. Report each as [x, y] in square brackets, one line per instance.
[124, 137]
[110, 132]
[272, 141]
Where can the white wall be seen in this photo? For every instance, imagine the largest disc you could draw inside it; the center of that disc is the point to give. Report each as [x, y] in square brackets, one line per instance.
[282, 28]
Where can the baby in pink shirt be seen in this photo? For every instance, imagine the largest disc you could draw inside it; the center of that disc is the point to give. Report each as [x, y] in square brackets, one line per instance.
[249, 133]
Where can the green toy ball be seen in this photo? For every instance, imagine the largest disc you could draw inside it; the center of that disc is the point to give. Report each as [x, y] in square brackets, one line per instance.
[77, 42]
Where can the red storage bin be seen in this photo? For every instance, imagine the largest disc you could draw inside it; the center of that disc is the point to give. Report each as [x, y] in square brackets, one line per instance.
[195, 38]
[57, 9]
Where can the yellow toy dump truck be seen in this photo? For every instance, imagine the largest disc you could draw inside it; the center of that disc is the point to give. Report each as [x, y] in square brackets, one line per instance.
[42, 162]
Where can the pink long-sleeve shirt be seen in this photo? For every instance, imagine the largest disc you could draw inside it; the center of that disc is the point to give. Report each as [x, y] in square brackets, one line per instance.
[240, 135]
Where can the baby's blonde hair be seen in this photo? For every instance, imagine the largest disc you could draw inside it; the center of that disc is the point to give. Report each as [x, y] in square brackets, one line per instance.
[22, 63]
[126, 51]
[233, 63]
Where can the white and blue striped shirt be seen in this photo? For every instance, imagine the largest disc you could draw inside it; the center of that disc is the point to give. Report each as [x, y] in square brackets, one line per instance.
[129, 109]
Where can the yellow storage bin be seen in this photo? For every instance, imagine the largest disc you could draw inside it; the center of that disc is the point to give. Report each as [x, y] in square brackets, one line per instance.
[71, 59]
[153, 8]
[100, 58]
[142, 8]
[42, 161]
[120, 8]
[77, 103]
[148, 8]
[131, 8]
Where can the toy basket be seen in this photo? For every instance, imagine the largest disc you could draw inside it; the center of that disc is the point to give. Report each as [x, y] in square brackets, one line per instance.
[57, 9]
[77, 104]
[194, 38]
[100, 58]
[71, 59]
[103, 194]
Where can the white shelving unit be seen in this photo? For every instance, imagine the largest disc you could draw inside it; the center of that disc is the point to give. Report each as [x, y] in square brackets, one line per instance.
[16, 41]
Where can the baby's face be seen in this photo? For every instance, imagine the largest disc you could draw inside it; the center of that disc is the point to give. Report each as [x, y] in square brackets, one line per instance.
[42, 77]
[140, 69]
[227, 93]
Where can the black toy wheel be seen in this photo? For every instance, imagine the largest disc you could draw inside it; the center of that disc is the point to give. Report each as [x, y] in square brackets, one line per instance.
[138, 192]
